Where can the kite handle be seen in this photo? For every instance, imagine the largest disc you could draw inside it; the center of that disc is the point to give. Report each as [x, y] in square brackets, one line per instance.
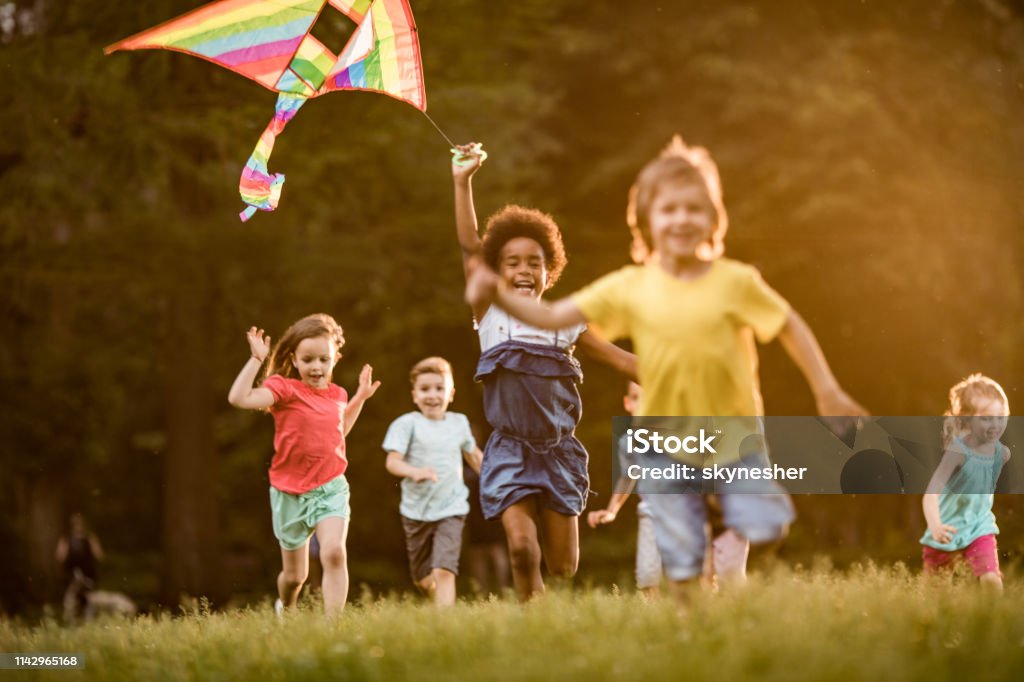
[460, 159]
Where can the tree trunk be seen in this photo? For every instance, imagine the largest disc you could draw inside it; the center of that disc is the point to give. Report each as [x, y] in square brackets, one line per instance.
[191, 529]
[39, 507]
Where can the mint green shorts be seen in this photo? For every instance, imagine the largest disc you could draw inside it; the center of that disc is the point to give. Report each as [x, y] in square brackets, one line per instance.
[295, 517]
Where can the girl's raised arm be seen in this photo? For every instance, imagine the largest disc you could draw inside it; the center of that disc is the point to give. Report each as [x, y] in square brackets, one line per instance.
[464, 165]
[367, 387]
[243, 394]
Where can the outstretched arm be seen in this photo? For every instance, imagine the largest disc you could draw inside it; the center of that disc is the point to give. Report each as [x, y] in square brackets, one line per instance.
[242, 393]
[609, 513]
[367, 387]
[463, 167]
[831, 400]
[596, 348]
[397, 466]
[485, 287]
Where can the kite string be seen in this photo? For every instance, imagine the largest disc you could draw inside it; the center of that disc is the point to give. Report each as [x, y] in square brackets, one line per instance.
[438, 128]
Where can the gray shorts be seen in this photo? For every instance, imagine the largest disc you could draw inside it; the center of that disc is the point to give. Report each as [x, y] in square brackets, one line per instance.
[433, 544]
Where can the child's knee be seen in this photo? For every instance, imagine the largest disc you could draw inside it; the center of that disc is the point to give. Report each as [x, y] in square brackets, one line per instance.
[563, 568]
[991, 580]
[442, 575]
[333, 557]
[524, 553]
[293, 577]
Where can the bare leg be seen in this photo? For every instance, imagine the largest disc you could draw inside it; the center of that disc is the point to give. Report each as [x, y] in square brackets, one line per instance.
[444, 587]
[498, 554]
[294, 570]
[682, 592]
[520, 524]
[991, 581]
[332, 533]
[561, 545]
[730, 551]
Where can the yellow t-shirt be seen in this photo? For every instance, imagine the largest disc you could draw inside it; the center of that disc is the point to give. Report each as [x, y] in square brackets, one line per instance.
[694, 339]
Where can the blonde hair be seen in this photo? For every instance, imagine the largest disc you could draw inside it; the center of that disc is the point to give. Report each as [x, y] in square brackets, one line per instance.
[677, 162]
[309, 327]
[964, 399]
[431, 365]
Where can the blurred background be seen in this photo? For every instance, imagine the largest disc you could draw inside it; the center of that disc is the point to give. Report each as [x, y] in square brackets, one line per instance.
[871, 155]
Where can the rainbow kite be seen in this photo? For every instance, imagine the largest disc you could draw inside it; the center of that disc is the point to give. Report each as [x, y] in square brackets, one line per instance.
[270, 42]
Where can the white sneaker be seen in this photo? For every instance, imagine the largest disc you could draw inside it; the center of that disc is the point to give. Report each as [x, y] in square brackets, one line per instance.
[279, 608]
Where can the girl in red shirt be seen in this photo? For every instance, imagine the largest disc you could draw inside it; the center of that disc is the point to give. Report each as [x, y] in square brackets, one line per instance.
[312, 416]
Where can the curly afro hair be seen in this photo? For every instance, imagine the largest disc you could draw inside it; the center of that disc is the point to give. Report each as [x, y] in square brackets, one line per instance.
[516, 221]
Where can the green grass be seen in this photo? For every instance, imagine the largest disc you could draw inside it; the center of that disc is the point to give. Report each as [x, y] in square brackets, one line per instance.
[869, 623]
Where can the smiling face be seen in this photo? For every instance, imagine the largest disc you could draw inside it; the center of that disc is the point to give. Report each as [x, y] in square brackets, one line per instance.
[681, 219]
[988, 422]
[522, 266]
[314, 359]
[432, 394]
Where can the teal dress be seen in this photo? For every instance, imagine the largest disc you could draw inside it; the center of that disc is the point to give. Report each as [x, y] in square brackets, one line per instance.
[966, 501]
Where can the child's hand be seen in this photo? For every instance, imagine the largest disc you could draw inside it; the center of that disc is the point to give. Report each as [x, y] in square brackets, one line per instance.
[600, 517]
[259, 345]
[466, 159]
[839, 411]
[942, 533]
[367, 386]
[481, 284]
[424, 474]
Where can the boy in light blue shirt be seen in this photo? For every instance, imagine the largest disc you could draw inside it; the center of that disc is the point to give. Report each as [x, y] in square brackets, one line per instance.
[426, 449]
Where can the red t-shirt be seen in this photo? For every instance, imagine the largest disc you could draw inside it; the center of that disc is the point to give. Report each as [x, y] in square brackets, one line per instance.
[309, 434]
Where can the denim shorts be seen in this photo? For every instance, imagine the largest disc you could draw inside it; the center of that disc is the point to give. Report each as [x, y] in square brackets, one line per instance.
[681, 519]
[295, 517]
[513, 470]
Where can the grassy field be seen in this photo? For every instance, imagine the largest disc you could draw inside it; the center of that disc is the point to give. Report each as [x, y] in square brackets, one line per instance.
[869, 623]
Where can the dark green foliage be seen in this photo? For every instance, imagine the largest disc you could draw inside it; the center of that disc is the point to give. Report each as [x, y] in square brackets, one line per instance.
[871, 161]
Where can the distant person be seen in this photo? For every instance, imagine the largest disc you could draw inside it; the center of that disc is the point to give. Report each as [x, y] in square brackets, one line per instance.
[693, 317]
[425, 448]
[534, 475]
[958, 504]
[312, 416]
[78, 553]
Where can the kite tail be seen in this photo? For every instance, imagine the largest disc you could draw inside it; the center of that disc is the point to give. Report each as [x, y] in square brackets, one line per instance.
[260, 188]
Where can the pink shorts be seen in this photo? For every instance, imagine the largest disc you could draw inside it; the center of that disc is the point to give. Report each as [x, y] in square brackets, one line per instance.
[982, 556]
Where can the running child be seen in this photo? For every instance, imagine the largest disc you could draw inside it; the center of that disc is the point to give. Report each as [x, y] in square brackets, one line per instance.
[648, 560]
[312, 416]
[425, 449]
[693, 317]
[534, 472]
[958, 504]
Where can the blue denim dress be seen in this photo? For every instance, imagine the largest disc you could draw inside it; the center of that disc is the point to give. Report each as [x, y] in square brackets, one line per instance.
[532, 403]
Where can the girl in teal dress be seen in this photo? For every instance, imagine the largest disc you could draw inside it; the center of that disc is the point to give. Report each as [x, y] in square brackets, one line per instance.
[958, 504]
